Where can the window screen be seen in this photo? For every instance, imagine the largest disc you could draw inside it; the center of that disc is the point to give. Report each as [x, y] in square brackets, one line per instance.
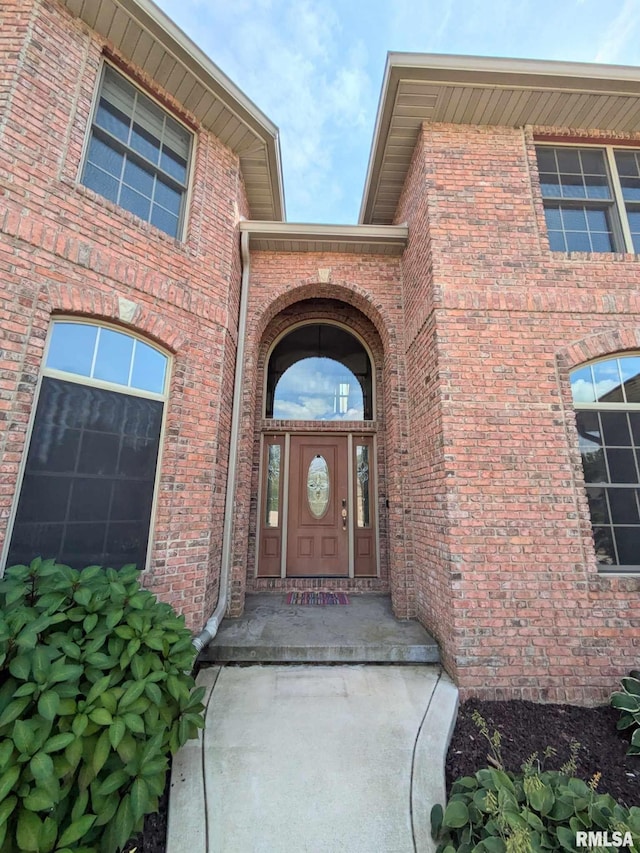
[88, 486]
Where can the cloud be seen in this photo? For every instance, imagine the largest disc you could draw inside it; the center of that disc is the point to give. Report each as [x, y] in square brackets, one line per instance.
[289, 57]
[582, 391]
[419, 28]
[621, 32]
[315, 66]
[458, 26]
[312, 409]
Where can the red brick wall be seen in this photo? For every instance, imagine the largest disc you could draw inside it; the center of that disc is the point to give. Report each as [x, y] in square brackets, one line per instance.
[426, 480]
[364, 293]
[512, 589]
[63, 249]
[487, 535]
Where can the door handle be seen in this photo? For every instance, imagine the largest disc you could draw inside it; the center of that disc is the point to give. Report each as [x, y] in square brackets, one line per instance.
[344, 513]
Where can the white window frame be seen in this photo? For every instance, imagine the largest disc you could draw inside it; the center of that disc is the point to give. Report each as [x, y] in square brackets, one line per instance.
[621, 233]
[623, 570]
[96, 383]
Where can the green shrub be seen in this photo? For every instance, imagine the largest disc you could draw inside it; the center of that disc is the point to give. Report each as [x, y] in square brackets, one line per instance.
[495, 812]
[536, 811]
[94, 695]
[628, 701]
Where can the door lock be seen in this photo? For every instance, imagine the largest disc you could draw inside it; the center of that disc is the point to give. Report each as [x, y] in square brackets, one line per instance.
[344, 513]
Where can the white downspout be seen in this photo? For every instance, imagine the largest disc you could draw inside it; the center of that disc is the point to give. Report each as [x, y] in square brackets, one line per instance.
[211, 628]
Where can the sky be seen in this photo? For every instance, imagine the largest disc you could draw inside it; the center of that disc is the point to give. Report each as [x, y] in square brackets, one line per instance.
[315, 67]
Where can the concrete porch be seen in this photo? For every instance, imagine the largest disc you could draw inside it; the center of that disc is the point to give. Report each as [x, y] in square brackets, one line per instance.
[363, 631]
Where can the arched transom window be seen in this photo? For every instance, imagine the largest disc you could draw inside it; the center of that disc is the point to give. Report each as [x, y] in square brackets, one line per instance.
[606, 396]
[319, 372]
[89, 479]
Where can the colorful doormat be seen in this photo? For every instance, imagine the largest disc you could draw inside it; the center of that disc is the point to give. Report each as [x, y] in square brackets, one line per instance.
[321, 598]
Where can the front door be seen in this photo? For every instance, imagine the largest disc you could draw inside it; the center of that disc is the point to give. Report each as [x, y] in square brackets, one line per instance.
[318, 523]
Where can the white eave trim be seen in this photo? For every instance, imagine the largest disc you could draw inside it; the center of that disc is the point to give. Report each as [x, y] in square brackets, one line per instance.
[590, 72]
[153, 21]
[490, 73]
[296, 236]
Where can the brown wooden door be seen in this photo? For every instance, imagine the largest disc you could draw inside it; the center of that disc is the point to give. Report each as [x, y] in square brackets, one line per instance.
[318, 534]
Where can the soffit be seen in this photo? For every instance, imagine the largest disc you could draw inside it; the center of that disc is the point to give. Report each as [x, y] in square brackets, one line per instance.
[150, 40]
[347, 239]
[421, 88]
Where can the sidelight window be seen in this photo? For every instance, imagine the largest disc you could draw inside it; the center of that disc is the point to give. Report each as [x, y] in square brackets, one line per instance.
[272, 496]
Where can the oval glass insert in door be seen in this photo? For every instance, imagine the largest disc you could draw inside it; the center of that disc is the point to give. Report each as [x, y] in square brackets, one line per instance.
[318, 486]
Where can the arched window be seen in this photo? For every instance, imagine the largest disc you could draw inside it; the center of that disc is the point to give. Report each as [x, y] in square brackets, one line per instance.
[89, 479]
[606, 396]
[319, 372]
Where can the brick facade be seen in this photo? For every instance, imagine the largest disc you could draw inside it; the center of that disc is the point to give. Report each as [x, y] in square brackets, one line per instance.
[365, 295]
[483, 522]
[66, 250]
[508, 580]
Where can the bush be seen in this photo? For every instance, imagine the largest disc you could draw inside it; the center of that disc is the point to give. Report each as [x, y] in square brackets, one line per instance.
[94, 695]
[628, 701]
[494, 811]
[537, 811]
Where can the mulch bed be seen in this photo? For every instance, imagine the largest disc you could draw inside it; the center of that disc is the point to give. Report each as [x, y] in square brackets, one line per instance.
[527, 727]
[153, 838]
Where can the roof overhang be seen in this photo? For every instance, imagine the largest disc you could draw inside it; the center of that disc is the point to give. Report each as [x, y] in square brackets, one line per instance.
[303, 237]
[144, 35]
[421, 88]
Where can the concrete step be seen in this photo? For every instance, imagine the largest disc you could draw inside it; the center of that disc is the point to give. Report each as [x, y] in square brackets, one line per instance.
[364, 631]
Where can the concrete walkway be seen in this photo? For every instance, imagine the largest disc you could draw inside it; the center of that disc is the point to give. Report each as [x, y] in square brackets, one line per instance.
[314, 758]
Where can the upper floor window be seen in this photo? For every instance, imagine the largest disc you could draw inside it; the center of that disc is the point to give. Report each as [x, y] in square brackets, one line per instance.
[591, 198]
[89, 480]
[138, 155]
[606, 396]
[319, 372]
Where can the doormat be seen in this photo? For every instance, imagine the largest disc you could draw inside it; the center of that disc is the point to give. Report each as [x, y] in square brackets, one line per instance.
[321, 598]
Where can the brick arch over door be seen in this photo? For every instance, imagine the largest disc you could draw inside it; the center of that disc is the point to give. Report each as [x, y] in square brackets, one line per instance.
[354, 307]
[341, 291]
[322, 311]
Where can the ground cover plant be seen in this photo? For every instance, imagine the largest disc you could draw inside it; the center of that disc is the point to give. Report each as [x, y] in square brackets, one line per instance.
[627, 701]
[94, 696]
[524, 728]
[508, 792]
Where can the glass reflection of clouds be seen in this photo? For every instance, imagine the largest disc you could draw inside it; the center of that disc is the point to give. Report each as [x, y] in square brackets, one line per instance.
[99, 352]
[318, 389]
[615, 380]
[606, 395]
